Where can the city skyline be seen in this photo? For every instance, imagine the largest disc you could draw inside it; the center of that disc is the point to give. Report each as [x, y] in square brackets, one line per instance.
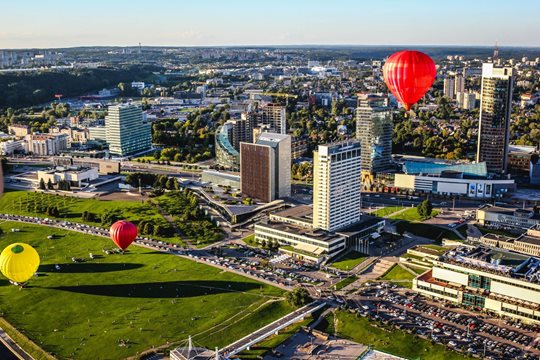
[239, 23]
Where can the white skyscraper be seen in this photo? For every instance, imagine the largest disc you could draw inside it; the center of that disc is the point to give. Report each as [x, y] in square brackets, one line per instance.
[336, 185]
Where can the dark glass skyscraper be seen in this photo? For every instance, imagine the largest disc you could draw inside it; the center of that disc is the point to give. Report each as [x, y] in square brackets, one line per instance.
[495, 110]
[374, 130]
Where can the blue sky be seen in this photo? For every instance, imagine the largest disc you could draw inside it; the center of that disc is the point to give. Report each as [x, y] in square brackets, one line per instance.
[59, 23]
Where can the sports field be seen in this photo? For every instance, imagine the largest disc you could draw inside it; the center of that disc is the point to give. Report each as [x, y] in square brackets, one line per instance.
[116, 306]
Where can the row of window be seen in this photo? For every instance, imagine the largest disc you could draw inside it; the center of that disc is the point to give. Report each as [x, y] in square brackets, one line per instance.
[436, 291]
[521, 313]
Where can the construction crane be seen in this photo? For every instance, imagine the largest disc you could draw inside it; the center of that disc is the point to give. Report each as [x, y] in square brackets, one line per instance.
[286, 96]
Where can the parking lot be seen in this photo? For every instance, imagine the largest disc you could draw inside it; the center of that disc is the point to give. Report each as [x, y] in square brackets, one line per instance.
[465, 332]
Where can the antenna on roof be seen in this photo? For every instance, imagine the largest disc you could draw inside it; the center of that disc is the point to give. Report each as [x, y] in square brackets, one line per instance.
[496, 51]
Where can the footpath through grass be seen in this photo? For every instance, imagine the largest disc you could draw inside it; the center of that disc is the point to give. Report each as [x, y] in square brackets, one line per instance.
[385, 211]
[385, 338]
[411, 214]
[117, 306]
[349, 261]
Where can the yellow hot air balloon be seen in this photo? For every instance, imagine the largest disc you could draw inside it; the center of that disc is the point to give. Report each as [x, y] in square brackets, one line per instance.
[18, 262]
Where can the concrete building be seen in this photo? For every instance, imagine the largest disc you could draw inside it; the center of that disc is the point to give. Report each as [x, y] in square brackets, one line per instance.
[275, 116]
[505, 218]
[11, 146]
[265, 167]
[443, 185]
[459, 84]
[336, 185]
[294, 231]
[466, 100]
[18, 130]
[374, 131]
[76, 175]
[527, 243]
[495, 110]
[448, 87]
[486, 279]
[445, 178]
[127, 131]
[46, 144]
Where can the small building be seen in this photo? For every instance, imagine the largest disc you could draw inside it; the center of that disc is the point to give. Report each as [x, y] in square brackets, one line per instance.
[76, 175]
[505, 218]
[18, 130]
[109, 167]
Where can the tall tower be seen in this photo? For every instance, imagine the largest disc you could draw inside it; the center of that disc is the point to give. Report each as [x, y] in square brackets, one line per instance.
[374, 131]
[126, 130]
[275, 116]
[495, 110]
[336, 185]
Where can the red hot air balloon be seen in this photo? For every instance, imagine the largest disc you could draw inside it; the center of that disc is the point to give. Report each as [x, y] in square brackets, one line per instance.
[123, 233]
[409, 74]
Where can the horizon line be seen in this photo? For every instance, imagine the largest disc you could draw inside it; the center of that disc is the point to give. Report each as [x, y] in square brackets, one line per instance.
[271, 45]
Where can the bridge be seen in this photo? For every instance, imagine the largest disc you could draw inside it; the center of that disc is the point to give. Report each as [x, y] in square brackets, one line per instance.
[270, 329]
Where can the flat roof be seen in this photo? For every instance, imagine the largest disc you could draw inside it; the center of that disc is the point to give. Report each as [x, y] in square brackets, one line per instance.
[365, 222]
[301, 212]
[319, 234]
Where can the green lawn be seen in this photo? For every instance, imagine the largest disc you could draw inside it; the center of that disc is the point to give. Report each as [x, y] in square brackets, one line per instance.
[426, 230]
[349, 261]
[349, 280]
[398, 275]
[385, 211]
[116, 306]
[389, 340]
[411, 214]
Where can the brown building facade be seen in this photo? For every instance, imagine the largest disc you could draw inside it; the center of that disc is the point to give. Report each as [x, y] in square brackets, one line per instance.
[257, 171]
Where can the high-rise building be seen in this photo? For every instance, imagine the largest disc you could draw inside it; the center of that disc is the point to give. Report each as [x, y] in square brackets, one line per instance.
[275, 116]
[374, 130]
[466, 100]
[459, 84]
[336, 185]
[448, 87]
[126, 130]
[495, 110]
[265, 167]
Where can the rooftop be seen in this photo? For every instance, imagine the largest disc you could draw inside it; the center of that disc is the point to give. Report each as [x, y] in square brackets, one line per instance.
[437, 168]
[318, 234]
[497, 261]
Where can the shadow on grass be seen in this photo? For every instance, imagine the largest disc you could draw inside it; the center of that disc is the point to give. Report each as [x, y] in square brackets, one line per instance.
[88, 267]
[157, 290]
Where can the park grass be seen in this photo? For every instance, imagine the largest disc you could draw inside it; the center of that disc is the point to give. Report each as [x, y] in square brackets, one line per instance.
[347, 281]
[387, 338]
[426, 230]
[250, 240]
[398, 275]
[72, 208]
[411, 214]
[349, 261]
[117, 306]
[385, 211]
[24, 342]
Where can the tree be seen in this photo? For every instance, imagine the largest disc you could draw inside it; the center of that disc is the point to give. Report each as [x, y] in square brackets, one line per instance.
[425, 209]
[42, 184]
[50, 185]
[298, 297]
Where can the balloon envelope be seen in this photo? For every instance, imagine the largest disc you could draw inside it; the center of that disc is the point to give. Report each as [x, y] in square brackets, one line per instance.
[18, 262]
[409, 74]
[123, 233]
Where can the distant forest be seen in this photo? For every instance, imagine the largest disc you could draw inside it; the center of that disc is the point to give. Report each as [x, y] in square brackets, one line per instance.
[28, 89]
